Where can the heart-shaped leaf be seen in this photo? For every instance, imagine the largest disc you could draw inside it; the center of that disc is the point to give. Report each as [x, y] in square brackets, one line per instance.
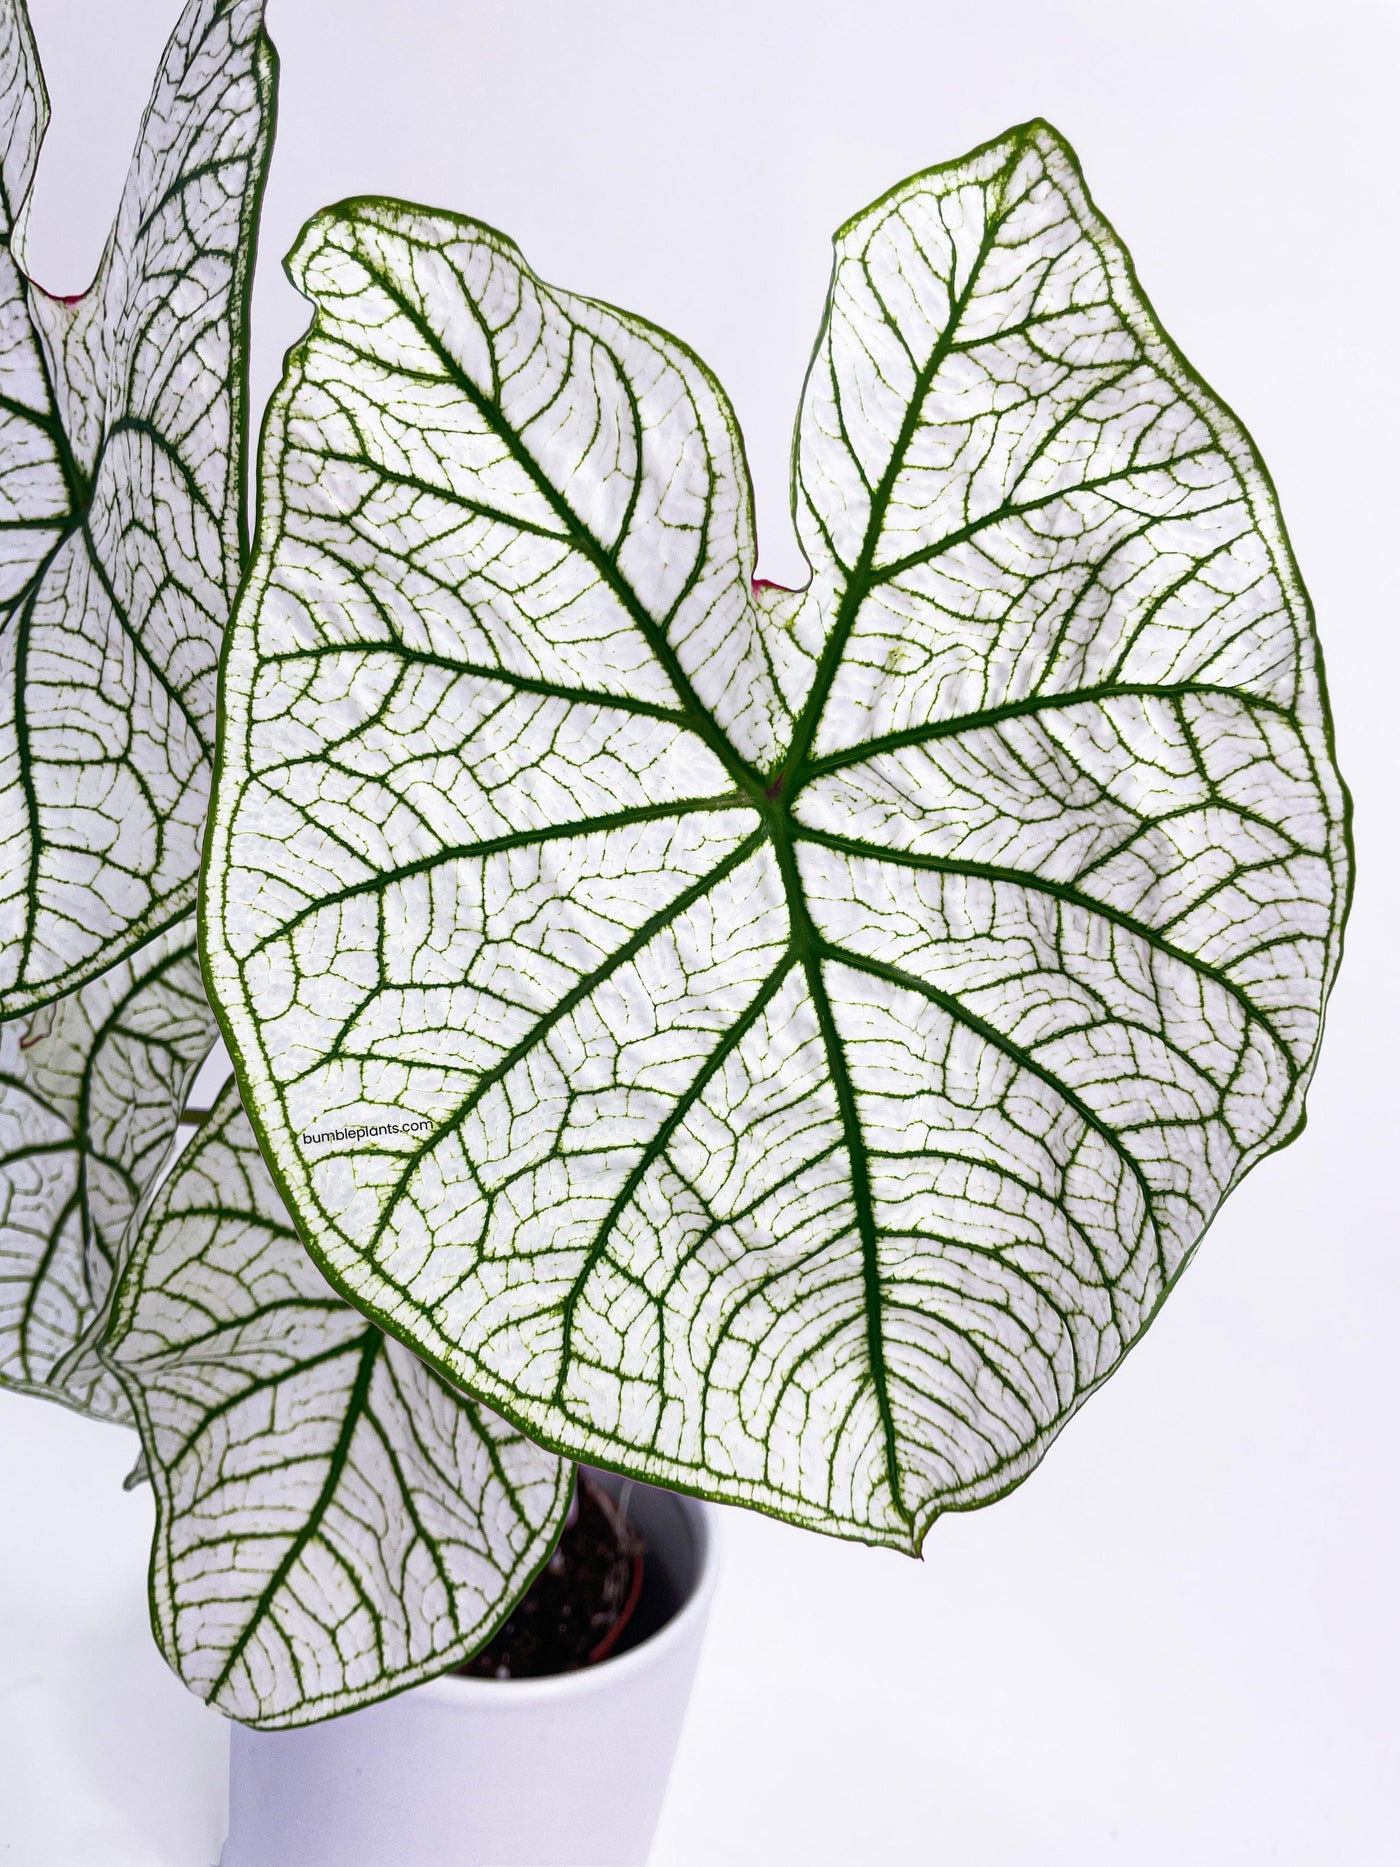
[121, 508]
[334, 1522]
[91, 1090]
[780, 1044]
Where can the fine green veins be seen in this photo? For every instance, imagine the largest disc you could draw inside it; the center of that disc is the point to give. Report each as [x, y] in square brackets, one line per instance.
[91, 1090]
[828, 1019]
[121, 508]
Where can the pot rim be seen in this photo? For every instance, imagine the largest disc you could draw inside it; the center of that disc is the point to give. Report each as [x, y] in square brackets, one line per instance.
[456, 1688]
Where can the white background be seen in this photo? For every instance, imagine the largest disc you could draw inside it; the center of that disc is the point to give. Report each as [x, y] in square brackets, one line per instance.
[1178, 1641]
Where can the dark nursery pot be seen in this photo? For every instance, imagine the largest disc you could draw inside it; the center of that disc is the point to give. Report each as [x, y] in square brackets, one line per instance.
[568, 1770]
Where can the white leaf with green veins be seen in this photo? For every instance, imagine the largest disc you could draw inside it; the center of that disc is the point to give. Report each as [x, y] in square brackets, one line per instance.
[334, 1522]
[121, 508]
[837, 1015]
[91, 1090]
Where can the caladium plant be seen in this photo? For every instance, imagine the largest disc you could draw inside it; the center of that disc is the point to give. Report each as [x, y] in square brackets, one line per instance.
[779, 1044]
[783, 1044]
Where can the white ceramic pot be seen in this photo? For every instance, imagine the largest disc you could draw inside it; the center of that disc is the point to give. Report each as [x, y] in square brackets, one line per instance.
[566, 1771]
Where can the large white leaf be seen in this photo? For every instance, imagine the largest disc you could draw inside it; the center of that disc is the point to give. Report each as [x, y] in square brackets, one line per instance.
[781, 1044]
[122, 508]
[91, 1090]
[334, 1522]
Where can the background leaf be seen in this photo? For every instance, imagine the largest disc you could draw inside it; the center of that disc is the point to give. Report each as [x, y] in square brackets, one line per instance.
[121, 508]
[334, 1522]
[91, 1090]
[836, 1015]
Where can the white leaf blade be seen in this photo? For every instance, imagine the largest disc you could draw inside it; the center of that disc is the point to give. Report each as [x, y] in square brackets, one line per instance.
[123, 549]
[91, 1091]
[334, 1522]
[1055, 388]
[839, 1172]
[34, 491]
[569, 420]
